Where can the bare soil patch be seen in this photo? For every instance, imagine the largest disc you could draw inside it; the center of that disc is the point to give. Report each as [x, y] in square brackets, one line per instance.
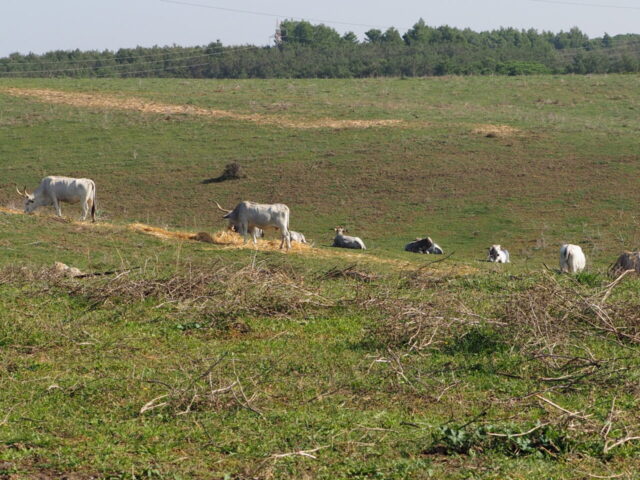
[489, 130]
[112, 102]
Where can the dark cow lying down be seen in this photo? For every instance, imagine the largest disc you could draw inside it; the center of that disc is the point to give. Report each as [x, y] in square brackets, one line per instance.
[423, 245]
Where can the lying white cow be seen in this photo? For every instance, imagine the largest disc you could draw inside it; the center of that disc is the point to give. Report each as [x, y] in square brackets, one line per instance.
[297, 237]
[572, 259]
[345, 241]
[53, 190]
[248, 217]
[497, 254]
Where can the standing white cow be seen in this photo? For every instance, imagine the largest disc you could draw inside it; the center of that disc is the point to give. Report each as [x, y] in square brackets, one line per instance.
[246, 216]
[53, 190]
[572, 259]
[345, 241]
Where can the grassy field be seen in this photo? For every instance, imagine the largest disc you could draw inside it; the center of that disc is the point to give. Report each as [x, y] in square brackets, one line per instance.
[195, 360]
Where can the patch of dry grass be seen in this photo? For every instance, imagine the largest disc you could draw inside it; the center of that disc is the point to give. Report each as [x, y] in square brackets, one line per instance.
[489, 130]
[104, 101]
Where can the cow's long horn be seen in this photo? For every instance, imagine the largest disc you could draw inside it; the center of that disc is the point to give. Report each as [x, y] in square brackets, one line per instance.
[220, 208]
[22, 194]
[26, 194]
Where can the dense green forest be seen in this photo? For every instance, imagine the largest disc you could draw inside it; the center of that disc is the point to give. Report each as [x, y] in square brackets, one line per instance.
[304, 50]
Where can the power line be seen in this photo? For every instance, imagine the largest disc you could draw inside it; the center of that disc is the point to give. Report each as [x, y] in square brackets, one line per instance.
[581, 4]
[266, 14]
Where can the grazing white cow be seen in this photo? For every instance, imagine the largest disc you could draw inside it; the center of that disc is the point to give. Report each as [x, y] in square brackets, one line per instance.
[345, 241]
[53, 190]
[572, 259]
[249, 217]
[435, 249]
[497, 254]
[297, 237]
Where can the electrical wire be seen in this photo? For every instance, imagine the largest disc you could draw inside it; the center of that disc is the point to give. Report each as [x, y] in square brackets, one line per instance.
[582, 4]
[266, 14]
[137, 64]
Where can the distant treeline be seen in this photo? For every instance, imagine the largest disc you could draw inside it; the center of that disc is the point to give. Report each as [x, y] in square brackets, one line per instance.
[303, 50]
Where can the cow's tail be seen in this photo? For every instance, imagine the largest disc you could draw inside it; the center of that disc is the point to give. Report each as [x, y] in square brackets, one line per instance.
[93, 203]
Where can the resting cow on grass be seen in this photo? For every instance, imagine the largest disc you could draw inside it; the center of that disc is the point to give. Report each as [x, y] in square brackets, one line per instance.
[345, 241]
[297, 237]
[435, 249]
[497, 254]
[419, 245]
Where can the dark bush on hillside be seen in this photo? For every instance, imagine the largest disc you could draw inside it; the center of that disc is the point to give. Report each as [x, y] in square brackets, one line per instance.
[626, 261]
[232, 171]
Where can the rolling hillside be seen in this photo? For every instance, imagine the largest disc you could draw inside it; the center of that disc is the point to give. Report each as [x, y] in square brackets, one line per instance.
[172, 358]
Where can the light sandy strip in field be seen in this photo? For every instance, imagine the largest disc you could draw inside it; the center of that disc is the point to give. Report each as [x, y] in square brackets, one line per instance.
[112, 102]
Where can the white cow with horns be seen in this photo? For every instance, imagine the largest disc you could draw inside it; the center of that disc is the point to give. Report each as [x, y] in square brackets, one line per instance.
[53, 190]
[246, 216]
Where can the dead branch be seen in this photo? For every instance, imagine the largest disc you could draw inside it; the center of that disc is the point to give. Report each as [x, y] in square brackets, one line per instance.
[523, 434]
[302, 453]
[568, 412]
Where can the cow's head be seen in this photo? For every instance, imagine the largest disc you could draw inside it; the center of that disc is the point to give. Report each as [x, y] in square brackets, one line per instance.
[29, 199]
[340, 230]
[494, 251]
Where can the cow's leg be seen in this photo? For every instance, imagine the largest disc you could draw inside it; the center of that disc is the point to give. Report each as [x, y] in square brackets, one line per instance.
[56, 205]
[85, 209]
[286, 238]
[243, 230]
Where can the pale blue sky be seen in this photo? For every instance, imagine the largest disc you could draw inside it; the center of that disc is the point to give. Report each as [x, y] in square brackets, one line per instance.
[42, 25]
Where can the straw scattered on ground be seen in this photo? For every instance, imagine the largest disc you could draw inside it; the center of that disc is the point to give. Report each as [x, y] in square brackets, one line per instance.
[105, 101]
[231, 240]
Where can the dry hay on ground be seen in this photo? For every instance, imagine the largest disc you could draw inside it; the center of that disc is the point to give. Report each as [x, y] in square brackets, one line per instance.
[105, 101]
[160, 232]
[491, 131]
[12, 211]
[232, 240]
[223, 237]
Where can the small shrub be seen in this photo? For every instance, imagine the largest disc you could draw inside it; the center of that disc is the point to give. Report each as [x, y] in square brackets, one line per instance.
[590, 279]
[475, 341]
[543, 441]
[232, 171]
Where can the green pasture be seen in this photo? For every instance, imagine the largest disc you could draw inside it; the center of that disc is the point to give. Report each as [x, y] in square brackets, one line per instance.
[182, 359]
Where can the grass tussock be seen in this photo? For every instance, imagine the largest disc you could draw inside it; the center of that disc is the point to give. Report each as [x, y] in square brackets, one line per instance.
[211, 386]
[219, 292]
[545, 315]
[554, 314]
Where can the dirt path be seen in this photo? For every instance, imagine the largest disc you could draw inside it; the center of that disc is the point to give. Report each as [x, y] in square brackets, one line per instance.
[113, 102]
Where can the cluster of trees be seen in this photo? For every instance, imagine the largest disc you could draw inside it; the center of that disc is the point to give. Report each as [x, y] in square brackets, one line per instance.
[304, 50]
